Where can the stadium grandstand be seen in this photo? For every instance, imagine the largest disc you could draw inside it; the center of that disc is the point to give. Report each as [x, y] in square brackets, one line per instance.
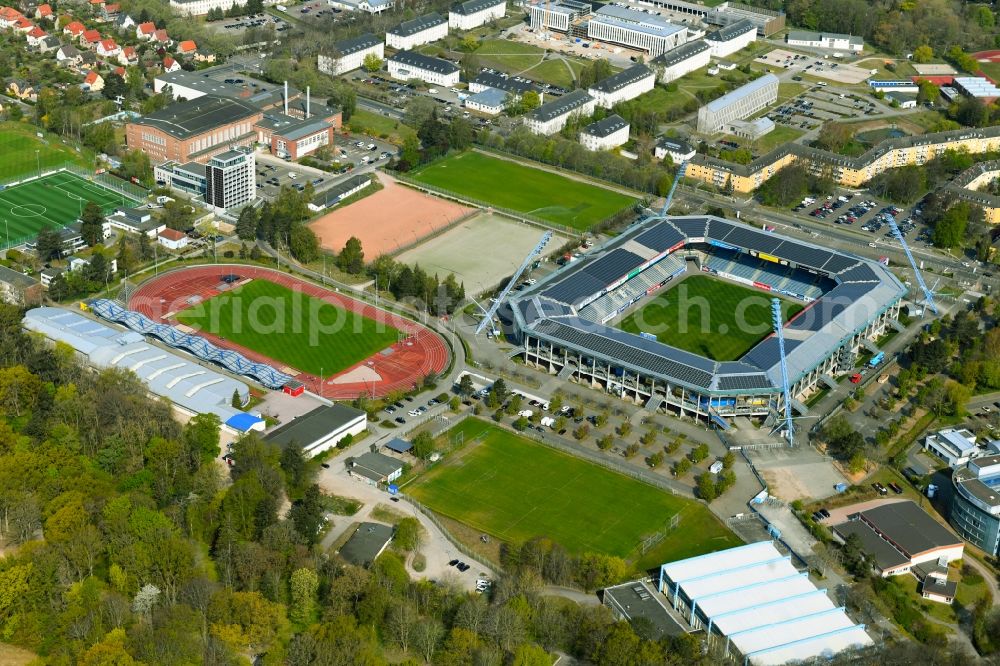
[563, 323]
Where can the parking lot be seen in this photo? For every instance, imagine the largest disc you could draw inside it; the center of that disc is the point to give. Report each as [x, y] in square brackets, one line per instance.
[832, 69]
[237, 25]
[400, 93]
[818, 105]
[866, 214]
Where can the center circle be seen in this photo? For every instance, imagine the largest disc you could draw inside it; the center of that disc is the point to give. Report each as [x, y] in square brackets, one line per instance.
[27, 210]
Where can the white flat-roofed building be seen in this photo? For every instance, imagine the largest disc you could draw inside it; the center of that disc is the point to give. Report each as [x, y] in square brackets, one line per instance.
[415, 32]
[751, 129]
[753, 603]
[682, 60]
[825, 40]
[229, 179]
[731, 38]
[557, 16]
[490, 101]
[553, 116]
[635, 29]
[676, 149]
[407, 65]
[474, 13]
[200, 7]
[976, 86]
[368, 6]
[955, 447]
[623, 86]
[741, 103]
[605, 134]
[350, 54]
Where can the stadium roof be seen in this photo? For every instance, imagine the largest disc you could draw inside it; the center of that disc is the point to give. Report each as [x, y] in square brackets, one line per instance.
[420, 61]
[767, 610]
[418, 25]
[682, 53]
[552, 309]
[624, 78]
[565, 104]
[197, 116]
[606, 126]
[741, 92]
[182, 380]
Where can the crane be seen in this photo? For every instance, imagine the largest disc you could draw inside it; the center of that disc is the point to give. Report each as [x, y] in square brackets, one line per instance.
[928, 294]
[779, 332]
[488, 314]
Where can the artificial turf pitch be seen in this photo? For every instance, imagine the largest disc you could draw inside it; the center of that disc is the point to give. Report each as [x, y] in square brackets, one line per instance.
[305, 333]
[51, 202]
[505, 485]
[524, 189]
[708, 316]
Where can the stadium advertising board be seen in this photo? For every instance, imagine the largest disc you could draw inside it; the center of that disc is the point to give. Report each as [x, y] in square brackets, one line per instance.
[736, 278]
[769, 257]
[675, 247]
[699, 239]
[724, 246]
[761, 285]
[647, 336]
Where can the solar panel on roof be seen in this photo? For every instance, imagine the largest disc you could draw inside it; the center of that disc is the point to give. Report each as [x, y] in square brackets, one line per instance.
[660, 237]
[744, 382]
[803, 255]
[613, 265]
[839, 262]
[692, 227]
[860, 273]
[748, 238]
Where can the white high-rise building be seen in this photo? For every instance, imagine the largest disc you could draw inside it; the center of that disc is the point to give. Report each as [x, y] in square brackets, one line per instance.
[229, 179]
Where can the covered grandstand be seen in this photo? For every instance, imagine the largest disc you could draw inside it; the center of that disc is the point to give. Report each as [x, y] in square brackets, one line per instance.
[758, 606]
[562, 322]
[186, 383]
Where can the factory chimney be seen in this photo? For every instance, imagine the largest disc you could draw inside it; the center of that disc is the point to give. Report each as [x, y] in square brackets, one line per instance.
[307, 103]
[286, 98]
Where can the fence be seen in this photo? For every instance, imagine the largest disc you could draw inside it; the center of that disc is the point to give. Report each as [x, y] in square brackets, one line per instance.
[111, 182]
[465, 550]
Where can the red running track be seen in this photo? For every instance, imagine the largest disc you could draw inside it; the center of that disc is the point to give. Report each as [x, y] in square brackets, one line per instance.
[421, 353]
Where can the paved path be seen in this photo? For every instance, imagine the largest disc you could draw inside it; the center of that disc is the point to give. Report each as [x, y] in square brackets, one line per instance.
[573, 594]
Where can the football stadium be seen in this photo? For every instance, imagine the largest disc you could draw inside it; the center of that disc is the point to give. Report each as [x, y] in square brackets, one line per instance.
[568, 322]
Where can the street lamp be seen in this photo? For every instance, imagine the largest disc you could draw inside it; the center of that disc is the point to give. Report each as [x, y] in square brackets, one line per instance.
[38, 163]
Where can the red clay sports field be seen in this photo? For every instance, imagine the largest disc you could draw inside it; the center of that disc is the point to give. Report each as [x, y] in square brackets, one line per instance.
[399, 367]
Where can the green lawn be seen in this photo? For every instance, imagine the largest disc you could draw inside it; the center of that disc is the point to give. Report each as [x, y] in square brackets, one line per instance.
[557, 72]
[303, 332]
[507, 55]
[521, 188]
[51, 202]
[373, 124]
[779, 136]
[708, 316]
[515, 489]
[18, 143]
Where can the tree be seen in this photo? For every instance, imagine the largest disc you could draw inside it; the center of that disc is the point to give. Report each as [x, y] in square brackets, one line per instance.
[923, 54]
[351, 259]
[465, 385]
[304, 585]
[307, 514]
[605, 442]
[655, 460]
[48, 245]
[246, 224]
[682, 467]
[423, 445]
[706, 486]
[303, 244]
[409, 535]
[372, 63]
[91, 224]
[530, 654]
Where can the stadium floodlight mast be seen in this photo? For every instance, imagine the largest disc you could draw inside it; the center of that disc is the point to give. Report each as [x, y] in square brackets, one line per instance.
[488, 314]
[670, 195]
[928, 293]
[779, 332]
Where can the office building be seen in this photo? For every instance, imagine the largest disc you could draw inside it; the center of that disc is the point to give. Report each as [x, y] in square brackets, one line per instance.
[553, 116]
[407, 65]
[320, 429]
[474, 13]
[350, 54]
[955, 447]
[975, 503]
[682, 60]
[515, 85]
[558, 16]
[489, 101]
[677, 150]
[635, 29]
[738, 104]
[605, 134]
[623, 86]
[421, 30]
[367, 6]
[825, 40]
[188, 177]
[230, 179]
[731, 38]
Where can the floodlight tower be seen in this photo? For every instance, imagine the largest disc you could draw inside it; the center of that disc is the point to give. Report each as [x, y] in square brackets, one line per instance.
[670, 195]
[488, 314]
[779, 331]
[928, 294]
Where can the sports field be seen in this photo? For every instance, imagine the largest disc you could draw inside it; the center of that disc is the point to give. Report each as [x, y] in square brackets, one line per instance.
[18, 143]
[515, 489]
[303, 332]
[51, 202]
[708, 316]
[505, 184]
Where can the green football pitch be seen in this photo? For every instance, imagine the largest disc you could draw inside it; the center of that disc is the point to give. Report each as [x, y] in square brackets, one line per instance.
[708, 316]
[508, 486]
[524, 189]
[305, 333]
[24, 152]
[51, 202]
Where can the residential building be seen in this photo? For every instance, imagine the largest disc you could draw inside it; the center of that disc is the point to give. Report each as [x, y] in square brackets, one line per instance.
[18, 288]
[44, 12]
[172, 239]
[194, 130]
[171, 65]
[367, 542]
[756, 608]
[421, 30]
[368, 6]
[144, 31]
[553, 116]
[515, 85]
[474, 13]
[955, 447]
[605, 134]
[108, 48]
[230, 179]
[136, 221]
[320, 429]
[125, 22]
[739, 104]
[825, 40]
[375, 468]
[35, 36]
[623, 86]
[128, 56]
[634, 29]
[68, 54]
[407, 65]
[187, 47]
[898, 536]
[90, 39]
[350, 54]
[975, 503]
[489, 101]
[47, 275]
[682, 60]
[676, 149]
[49, 44]
[93, 81]
[200, 7]
[729, 39]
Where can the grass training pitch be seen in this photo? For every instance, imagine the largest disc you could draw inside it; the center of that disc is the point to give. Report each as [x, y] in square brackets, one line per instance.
[524, 189]
[303, 332]
[515, 489]
[705, 315]
[19, 143]
[51, 202]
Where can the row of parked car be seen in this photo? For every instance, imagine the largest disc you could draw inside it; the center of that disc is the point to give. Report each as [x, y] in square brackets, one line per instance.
[882, 490]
